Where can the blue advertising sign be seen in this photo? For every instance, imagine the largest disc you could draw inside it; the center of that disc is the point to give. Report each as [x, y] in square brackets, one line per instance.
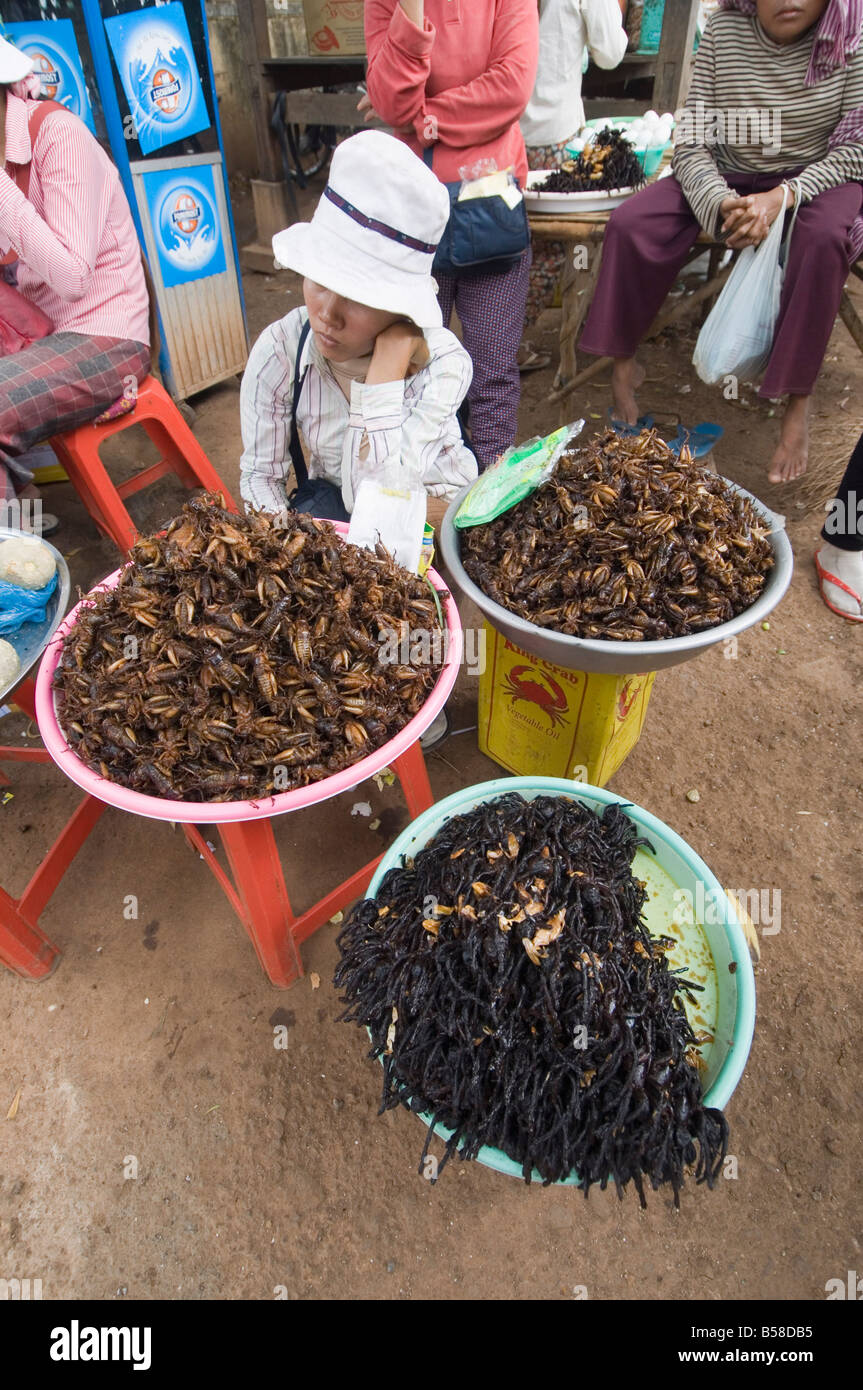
[156, 63]
[52, 45]
[185, 218]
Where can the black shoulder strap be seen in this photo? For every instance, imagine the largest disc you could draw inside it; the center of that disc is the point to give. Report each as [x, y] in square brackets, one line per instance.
[295, 448]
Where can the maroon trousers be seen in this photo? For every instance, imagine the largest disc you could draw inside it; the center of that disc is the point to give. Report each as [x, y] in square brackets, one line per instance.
[645, 246]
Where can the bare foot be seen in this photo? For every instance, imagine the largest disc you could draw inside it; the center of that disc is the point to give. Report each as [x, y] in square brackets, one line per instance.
[792, 452]
[627, 376]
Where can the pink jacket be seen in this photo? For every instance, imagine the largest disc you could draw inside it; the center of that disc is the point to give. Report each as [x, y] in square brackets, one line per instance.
[460, 83]
[78, 254]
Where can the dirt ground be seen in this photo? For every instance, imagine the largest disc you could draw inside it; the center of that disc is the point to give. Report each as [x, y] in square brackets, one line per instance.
[163, 1148]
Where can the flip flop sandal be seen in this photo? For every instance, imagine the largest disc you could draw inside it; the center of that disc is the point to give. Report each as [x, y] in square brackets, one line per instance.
[644, 422]
[699, 440]
[825, 575]
[534, 361]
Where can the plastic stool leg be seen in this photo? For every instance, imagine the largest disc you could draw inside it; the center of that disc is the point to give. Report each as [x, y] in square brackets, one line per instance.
[49, 873]
[180, 447]
[89, 477]
[411, 771]
[260, 884]
[24, 696]
[23, 947]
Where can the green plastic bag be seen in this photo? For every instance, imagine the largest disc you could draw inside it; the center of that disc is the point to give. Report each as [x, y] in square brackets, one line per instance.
[515, 476]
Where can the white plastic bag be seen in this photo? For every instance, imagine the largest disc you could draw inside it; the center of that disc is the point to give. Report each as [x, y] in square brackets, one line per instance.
[394, 516]
[737, 335]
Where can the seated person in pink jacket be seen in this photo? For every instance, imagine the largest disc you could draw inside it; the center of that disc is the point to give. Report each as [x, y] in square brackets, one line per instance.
[78, 260]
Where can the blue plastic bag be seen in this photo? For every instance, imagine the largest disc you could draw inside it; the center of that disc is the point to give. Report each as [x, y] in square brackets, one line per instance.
[19, 606]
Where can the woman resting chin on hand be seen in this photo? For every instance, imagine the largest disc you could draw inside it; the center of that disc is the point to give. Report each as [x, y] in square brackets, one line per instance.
[378, 381]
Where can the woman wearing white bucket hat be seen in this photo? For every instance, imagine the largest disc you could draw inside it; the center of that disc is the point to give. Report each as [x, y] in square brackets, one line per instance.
[365, 370]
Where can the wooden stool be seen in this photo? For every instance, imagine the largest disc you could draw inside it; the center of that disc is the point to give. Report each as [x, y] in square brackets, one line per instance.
[78, 452]
[579, 283]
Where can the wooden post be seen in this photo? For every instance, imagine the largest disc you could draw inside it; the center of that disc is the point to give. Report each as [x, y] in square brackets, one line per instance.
[577, 286]
[269, 190]
[674, 63]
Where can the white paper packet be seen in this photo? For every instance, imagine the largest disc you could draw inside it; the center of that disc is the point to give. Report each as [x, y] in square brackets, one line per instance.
[394, 516]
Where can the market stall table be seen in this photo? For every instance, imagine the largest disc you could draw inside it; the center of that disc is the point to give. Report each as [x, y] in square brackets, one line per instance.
[258, 893]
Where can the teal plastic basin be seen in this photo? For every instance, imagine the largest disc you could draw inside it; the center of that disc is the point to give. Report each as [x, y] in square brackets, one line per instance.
[712, 946]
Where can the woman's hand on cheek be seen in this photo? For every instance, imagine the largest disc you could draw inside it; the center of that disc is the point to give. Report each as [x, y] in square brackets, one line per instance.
[395, 350]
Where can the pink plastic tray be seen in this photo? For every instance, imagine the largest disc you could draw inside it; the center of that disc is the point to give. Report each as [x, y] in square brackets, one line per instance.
[227, 812]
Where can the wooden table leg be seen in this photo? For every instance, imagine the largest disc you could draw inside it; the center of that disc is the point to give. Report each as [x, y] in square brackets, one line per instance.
[577, 289]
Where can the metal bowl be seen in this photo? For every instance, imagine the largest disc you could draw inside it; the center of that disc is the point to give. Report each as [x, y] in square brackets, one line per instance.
[618, 658]
[31, 639]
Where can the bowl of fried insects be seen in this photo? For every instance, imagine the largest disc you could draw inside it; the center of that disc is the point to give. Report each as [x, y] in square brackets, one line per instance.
[236, 669]
[557, 984]
[628, 558]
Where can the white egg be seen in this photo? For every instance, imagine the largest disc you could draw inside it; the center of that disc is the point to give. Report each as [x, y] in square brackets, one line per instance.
[9, 664]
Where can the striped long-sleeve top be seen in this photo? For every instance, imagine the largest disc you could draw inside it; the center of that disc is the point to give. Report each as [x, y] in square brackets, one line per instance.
[408, 427]
[748, 109]
[78, 254]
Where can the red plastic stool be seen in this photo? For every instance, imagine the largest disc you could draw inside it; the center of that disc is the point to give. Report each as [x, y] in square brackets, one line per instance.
[258, 893]
[24, 948]
[78, 451]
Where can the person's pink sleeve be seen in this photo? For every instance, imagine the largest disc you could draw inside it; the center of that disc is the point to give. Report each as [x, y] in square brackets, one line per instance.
[61, 248]
[488, 106]
[399, 61]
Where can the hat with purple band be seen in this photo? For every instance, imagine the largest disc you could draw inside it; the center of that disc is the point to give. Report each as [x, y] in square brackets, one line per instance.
[375, 230]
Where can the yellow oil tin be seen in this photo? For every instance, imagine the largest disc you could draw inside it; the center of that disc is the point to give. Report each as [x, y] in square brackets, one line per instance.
[538, 718]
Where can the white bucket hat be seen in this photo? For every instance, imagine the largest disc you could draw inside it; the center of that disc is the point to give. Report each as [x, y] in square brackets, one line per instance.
[13, 63]
[375, 230]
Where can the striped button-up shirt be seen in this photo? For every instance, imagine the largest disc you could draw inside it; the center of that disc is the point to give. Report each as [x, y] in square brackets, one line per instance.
[78, 254]
[398, 430]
